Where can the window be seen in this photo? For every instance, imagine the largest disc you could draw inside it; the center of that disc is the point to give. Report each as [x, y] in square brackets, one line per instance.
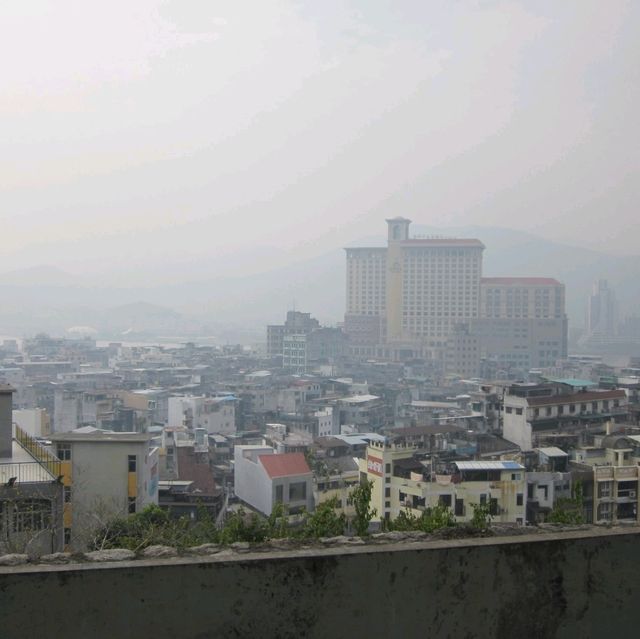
[132, 505]
[515, 477]
[132, 462]
[519, 499]
[63, 451]
[459, 507]
[604, 489]
[298, 491]
[509, 409]
[387, 492]
[67, 494]
[31, 514]
[445, 500]
[518, 411]
[387, 469]
[548, 410]
[67, 536]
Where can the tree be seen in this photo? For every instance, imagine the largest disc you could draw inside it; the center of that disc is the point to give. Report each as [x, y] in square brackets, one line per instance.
[360, 498]
[568, 510]
[325, 521]
[481, 519]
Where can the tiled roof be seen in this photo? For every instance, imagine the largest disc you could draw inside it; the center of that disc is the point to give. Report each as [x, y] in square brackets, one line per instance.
[285, 464]
[520, 281]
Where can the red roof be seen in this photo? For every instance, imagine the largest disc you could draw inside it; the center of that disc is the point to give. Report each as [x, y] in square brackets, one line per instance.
[284, 464]
[520, 281]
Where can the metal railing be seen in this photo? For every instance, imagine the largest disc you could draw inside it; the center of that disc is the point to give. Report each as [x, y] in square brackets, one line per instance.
[44, 458]
[28, 472]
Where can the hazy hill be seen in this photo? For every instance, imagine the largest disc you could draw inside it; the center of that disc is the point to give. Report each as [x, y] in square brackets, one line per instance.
[46, 298]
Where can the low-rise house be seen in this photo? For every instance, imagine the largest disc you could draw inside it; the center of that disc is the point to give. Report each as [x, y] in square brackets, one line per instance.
[263, 478]
[402, 481]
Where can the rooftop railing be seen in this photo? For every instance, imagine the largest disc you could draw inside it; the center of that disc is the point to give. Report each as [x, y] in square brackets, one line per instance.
[28, 472]
[43, 457]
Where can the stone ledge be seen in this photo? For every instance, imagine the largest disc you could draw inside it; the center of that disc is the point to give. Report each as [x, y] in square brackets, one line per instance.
[242, 552]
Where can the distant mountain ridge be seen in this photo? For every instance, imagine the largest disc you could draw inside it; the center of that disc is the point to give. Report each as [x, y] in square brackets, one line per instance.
[47, 298]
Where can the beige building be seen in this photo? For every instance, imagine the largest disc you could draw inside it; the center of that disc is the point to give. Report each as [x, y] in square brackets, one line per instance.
[614, 460]
[105, 475]
[418, 288]
[521, 298]
[402, 482]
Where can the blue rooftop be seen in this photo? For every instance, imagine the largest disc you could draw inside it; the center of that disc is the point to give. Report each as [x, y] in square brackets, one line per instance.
[572, 381]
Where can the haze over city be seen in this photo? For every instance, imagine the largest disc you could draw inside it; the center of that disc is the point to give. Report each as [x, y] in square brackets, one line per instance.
[145, 140]
[319, 318]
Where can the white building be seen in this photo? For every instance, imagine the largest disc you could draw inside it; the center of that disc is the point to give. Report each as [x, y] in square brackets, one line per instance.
[217, 415]
[530, 411]
[34, 421]
[263, 478]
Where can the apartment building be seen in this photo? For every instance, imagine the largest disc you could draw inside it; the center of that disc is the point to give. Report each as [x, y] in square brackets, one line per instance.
[418, 288]
[296, 323]
[521, 298]
[105, 475]
[215, 414]
[402, 481]
[263, 478]
[612, 478]
[522, 322]
[533, 412]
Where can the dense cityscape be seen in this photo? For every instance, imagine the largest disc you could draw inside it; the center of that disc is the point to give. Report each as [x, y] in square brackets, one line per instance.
[442, 389]
[319, 319]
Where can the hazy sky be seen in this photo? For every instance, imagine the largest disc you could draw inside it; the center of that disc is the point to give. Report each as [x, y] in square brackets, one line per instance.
[147, 130]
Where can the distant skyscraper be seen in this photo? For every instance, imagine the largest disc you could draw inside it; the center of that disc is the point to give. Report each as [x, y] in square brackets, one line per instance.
[412, 292]
[602, 311]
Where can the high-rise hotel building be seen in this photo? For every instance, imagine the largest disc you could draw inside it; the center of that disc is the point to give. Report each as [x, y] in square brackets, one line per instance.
[411, 294]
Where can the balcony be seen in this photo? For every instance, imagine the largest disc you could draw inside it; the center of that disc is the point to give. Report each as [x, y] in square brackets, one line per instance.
[603, 473]
[28, 472]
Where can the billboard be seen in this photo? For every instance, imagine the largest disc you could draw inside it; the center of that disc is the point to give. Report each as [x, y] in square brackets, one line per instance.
[375, 466]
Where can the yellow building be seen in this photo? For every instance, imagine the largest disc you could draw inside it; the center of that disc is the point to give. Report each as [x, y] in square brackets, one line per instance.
[402, 481]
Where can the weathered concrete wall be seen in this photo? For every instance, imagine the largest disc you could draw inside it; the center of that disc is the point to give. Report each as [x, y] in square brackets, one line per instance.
[581, 584]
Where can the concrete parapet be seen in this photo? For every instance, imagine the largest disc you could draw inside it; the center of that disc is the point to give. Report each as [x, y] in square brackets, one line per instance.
[572, 584]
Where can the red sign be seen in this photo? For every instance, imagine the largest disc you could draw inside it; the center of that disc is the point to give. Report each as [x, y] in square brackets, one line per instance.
[375, 466]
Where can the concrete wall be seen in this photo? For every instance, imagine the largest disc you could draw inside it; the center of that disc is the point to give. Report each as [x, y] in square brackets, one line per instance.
[581, 584]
